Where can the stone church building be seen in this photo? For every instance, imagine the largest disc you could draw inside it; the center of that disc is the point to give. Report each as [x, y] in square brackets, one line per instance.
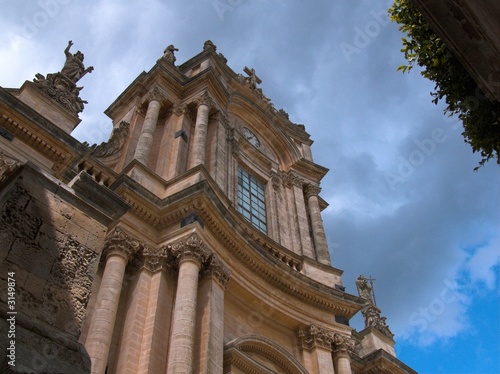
[190, 242]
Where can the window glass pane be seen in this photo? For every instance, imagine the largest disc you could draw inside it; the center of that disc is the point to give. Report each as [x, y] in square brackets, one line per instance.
[251, 200]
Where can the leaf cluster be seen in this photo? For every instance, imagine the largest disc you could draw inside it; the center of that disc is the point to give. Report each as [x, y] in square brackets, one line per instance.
[421, 46]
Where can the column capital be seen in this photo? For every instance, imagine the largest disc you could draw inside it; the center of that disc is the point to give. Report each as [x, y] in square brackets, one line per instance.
[314, 336]
[180, 109]
[7, 165]
[217, 270]
[342, 345]
[118, 242]
[155, 94]
[191, 248]
[291, 179]
[204, 99]
[275, 180]
[311, 190]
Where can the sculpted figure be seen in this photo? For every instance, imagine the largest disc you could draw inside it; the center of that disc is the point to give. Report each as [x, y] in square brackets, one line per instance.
[73, 67]
[364, 289]
[168, 54]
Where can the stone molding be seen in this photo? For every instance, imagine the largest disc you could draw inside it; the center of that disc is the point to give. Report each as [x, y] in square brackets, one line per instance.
[120, 243]
[8, 166]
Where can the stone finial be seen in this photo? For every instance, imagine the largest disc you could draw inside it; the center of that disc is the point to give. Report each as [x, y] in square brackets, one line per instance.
[208, 45]
[168, 54]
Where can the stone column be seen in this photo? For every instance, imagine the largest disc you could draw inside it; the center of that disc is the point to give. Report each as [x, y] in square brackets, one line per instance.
[210, 321]
[119, 249]
[342, 348]
[320, 243]
[316, 345]
[200, 130]
[148, 128]
[191, 253]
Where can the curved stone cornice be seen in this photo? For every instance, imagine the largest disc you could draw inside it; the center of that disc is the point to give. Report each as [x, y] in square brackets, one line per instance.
[118, 242]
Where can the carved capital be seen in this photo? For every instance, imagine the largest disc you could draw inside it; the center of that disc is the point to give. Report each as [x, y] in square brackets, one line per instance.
[180, 109]
[342, 344]
[155, 94]
[190, 249]
[311, 190]
[314, 336]
[218, 271]
[204, 99]
[291, 179]
[7, 166]
[275, 180]
[119, 243]
[155, 260]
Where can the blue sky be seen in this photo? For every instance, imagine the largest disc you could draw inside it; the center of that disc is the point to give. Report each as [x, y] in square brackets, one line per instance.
[405, 204]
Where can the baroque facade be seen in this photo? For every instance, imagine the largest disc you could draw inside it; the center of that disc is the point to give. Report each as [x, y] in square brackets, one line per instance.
[190, 242]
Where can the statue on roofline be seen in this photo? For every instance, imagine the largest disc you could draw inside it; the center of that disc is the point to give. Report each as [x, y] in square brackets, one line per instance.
[73, 67]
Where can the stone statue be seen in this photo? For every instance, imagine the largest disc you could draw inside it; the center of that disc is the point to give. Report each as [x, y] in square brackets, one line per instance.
[364, 289]
[73, 67]
[168, 54]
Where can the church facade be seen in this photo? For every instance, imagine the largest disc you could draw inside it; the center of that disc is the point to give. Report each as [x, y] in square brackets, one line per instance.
[190, 242]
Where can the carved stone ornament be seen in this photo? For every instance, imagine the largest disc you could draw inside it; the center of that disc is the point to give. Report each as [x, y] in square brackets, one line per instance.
[373, 319]
[7, 166]
[61, 86]
[118, 242]
[115, 142]
[216, 269]
[155, 260]
[314, 336]
[311, 190]
[180, 109]
[168, 54]
[208, 45]
[342, 344]
[204, 99]
[291, 179]
[275, 180]
[191, 248]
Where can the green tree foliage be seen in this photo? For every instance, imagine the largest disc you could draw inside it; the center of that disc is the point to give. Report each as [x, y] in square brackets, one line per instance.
[480, 116]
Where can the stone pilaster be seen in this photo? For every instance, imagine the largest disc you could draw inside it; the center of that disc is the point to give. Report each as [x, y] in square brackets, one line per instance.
[191, 253]
[119, 249]
[320, 243]
[155, 98]
[198, 155]
[316, 344]
[343, 346]
[210, 317]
